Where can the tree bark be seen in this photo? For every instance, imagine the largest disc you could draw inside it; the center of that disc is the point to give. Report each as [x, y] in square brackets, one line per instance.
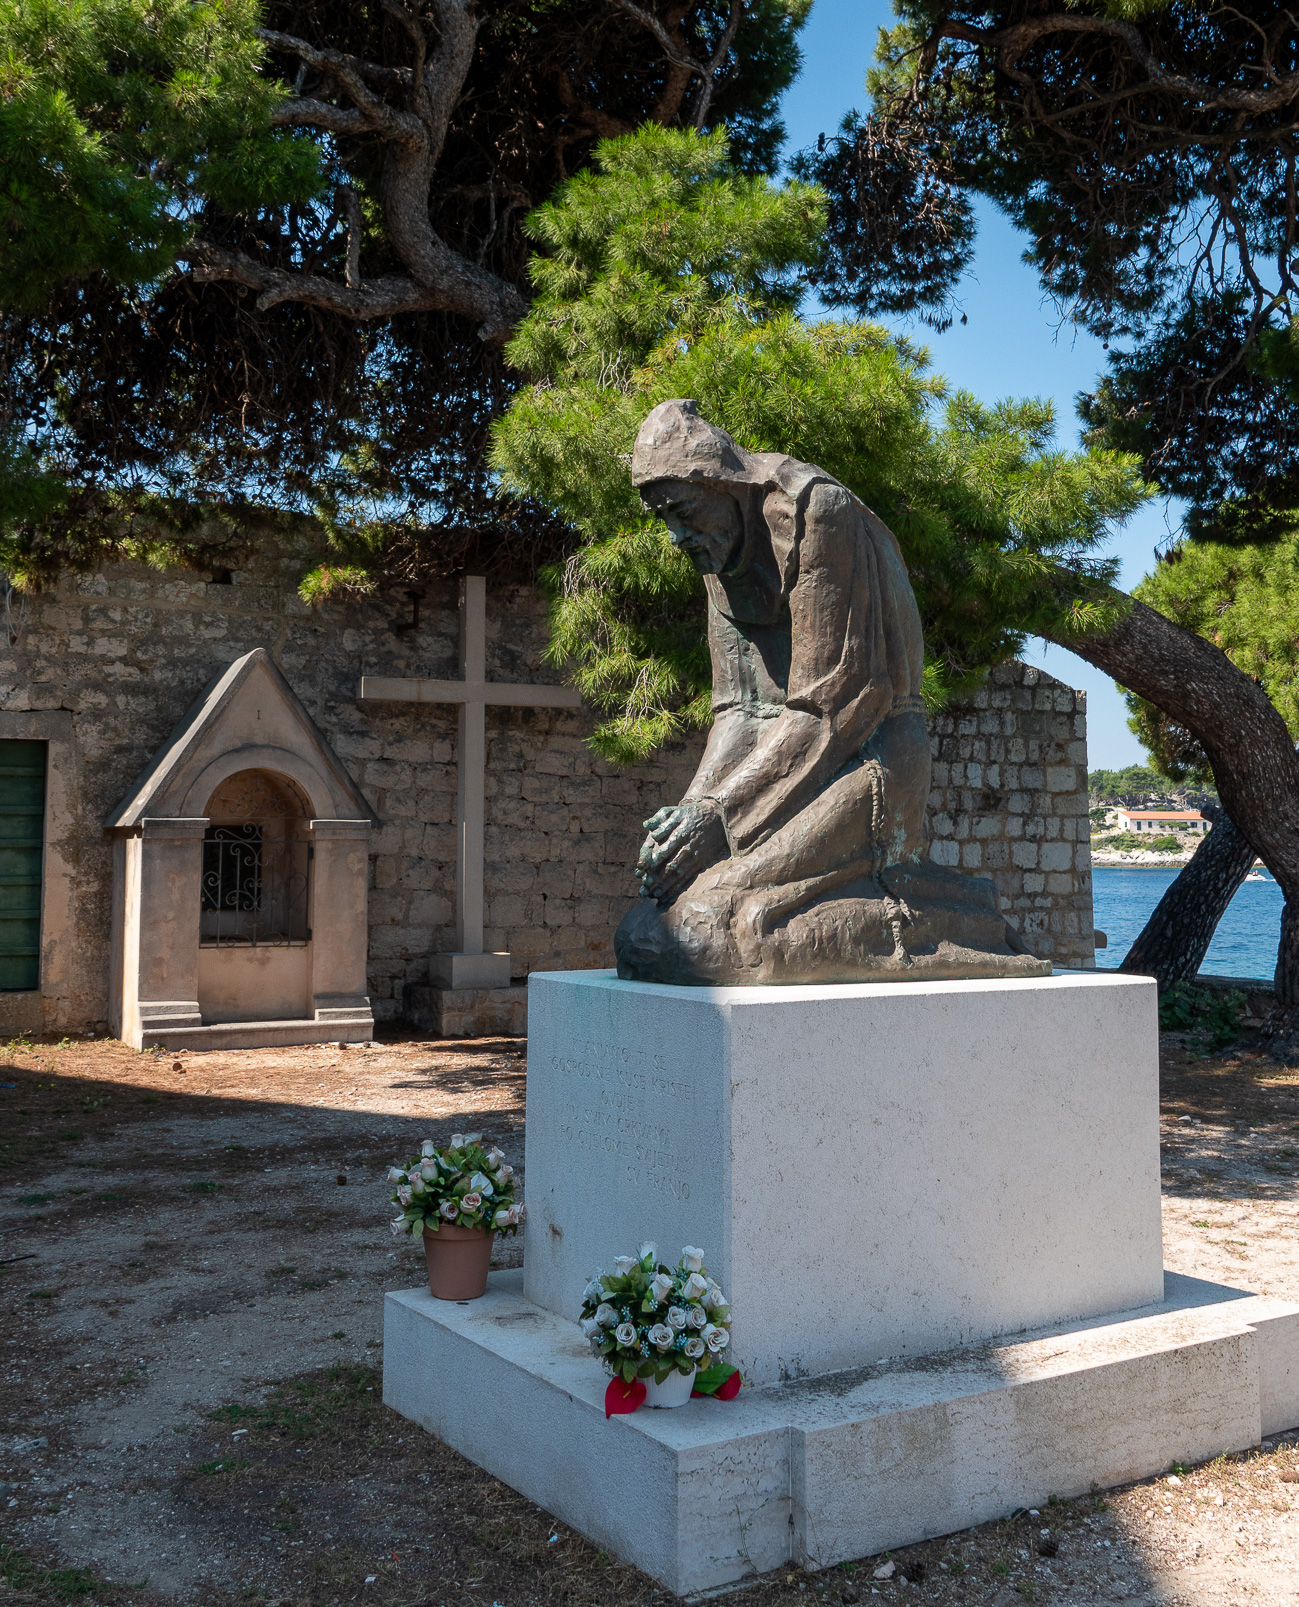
[1174, 941]
[412, 127]
[413, 134]
[1253, 758]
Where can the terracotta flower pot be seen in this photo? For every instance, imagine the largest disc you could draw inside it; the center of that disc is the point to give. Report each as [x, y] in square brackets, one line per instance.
[458, 1259]
[673, 1391]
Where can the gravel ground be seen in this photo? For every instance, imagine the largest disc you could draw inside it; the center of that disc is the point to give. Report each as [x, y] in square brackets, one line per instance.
[192, 1255]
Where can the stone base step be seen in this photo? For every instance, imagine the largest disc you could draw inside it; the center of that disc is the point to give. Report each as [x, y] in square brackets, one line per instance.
[822, 1469]
[356, 1028]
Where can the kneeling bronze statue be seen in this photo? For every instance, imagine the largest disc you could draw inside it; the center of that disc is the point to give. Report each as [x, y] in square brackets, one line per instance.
[798, 851]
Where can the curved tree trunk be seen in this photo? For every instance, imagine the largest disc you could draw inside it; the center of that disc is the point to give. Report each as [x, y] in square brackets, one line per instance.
[1253, 758]
[1174, 941]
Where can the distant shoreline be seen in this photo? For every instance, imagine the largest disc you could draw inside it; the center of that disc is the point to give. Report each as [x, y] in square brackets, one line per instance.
[1144, 859]
[1138, 858]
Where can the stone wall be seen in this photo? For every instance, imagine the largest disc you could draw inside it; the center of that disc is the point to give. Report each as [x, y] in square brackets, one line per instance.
[126, 651]
[107, 664]
[1009, 801]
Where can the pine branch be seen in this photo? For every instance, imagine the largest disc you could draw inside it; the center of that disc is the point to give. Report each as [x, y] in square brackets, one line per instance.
[376, 298]
[719, 56]
[411, 110]
[455, 285]
[368, 71]
[350, 202]
[440, 279]
[305, 112]
[1011, 43]
[686, 64]
[341, 69]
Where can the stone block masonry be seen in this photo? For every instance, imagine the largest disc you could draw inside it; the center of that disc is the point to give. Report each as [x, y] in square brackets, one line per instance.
[122, 654]
[107, 664]
[1009, 801]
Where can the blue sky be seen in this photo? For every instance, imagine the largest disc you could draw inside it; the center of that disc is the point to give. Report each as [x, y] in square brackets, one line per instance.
[1011, 345]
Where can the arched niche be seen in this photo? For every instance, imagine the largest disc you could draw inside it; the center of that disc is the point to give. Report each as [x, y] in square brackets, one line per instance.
[311, 779]
[240, 878]
[255, 900]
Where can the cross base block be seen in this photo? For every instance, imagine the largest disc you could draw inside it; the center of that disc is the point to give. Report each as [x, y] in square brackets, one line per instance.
[467, 1012]
[469, 970]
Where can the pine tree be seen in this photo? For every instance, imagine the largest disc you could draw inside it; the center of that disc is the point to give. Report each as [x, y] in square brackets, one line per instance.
[1244, 598]
[269, 255]
[664, 272]
[117, 118]
[1145, 148]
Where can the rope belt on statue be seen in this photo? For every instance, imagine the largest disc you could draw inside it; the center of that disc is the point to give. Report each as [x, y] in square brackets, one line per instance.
[874, 772]
[896, 912]
[913, 703]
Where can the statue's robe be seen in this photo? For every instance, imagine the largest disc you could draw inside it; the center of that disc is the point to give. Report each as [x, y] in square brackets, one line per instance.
[819, 762]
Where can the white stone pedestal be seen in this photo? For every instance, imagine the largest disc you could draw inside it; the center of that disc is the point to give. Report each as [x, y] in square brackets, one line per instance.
[935, 1208]
[874, 1169]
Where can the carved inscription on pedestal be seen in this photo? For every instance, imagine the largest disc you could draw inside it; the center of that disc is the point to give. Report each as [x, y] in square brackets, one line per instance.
[628, 1105]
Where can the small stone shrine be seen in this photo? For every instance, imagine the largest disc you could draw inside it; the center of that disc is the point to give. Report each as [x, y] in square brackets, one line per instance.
[932, 1198]
[240, 870]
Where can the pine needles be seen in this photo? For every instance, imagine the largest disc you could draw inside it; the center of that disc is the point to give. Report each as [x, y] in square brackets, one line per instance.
[666, 273]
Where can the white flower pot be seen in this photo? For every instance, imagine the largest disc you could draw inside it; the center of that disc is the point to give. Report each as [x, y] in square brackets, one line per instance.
[673, 1391]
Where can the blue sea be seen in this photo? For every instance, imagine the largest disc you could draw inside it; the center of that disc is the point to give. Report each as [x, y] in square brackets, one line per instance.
[1244, 944]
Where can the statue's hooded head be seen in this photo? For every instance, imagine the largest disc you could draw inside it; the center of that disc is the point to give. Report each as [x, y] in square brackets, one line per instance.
[700, 483]
[677, 443]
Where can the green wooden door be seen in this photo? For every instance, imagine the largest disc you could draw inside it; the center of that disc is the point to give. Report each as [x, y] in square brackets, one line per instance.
[22, 842]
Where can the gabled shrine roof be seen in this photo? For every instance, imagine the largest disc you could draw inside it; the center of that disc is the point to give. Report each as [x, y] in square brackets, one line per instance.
[247, 717]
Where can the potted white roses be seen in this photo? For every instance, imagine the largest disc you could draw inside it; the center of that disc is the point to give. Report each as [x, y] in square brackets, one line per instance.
[455, 1199]
[662, 1332]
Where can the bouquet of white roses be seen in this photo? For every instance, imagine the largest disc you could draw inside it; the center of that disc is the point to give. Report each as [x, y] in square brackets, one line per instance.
[463, 1184]
[645, 1319]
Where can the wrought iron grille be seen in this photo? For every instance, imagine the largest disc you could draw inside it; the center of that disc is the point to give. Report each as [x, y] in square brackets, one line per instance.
[255, 886]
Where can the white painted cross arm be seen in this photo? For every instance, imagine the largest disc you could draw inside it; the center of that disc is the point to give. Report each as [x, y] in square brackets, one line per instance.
[418, 689]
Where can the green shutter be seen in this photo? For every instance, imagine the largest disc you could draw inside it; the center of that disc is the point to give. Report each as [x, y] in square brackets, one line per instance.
[22, 841]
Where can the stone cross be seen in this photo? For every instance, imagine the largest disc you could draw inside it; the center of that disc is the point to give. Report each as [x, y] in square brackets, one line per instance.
[469, 967]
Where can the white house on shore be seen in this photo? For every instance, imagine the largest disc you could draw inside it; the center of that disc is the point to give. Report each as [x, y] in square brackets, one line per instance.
[1161, 821]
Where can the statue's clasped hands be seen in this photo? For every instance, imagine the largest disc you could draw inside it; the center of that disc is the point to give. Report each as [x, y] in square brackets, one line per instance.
[684, 839]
